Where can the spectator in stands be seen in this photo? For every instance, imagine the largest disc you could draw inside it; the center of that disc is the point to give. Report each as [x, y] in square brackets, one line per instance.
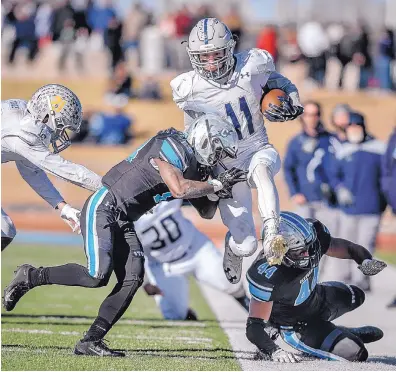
[136, 21]
[63, 12]
[43, 22]
[267, 40]
[25, 31]
[345, 51]
[362, 57]
[304, 166]
[384, 58]
[234, 22]
[183, 26]
[314, 44]
[388, 180]
[120, 86]
[150, 89]
[100, 14]
[112, 128]
[66, 38]
[356, 181]
[112, 37]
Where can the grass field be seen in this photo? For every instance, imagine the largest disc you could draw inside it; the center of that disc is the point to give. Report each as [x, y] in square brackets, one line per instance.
[41, 331]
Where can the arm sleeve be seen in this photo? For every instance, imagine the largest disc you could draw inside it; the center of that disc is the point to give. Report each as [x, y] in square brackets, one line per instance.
[39, 182]
[54, 164]
[289, 168]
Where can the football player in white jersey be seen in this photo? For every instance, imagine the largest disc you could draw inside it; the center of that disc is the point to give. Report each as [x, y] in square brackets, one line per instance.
[175, 248]
[232, 86]
[28, 128]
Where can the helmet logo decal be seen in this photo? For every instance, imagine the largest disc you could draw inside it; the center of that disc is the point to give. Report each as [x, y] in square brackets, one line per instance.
[57, 103]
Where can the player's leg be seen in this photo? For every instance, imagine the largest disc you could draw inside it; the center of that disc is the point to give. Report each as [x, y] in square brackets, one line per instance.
[263, 167]
[366, 237]
[8, 230]
[241, 239]
[97, 231]
[129, 270]
[324, 340]
[175, 291]
[208, 269]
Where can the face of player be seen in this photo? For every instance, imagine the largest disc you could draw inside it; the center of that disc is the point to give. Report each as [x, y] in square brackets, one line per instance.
[211, 60]
[311, 116]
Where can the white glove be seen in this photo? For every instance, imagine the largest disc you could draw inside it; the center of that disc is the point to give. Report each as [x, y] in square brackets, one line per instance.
[283, 356]
[72, 217]
[372, 267]
[344, 196]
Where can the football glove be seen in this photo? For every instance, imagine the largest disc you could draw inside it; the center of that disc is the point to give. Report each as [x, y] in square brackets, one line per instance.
[372, 267]
[283, 356]
[228, 179]
[287, 111]
[344, 196]
[72, 217]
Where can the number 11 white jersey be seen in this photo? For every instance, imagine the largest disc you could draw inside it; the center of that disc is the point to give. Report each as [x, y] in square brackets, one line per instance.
[165, 234]
[237, 101]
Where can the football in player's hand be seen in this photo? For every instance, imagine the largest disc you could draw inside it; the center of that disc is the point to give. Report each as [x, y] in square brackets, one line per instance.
[272, 97]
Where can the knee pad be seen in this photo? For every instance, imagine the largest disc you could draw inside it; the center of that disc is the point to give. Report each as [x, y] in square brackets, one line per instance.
[350, 348]
[359, 295]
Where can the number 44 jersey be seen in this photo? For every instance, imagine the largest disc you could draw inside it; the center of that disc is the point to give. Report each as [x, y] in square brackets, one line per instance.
[165, 234]
[238, 100]
[292, 290]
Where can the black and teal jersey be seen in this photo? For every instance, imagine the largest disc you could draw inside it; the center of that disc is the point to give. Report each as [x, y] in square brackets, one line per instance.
[292, 290]
[136, 183]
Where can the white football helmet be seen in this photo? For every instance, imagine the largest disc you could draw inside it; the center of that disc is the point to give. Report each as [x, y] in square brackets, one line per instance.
[302, 243]
[210, 35]
[212, 139]
[60, 109]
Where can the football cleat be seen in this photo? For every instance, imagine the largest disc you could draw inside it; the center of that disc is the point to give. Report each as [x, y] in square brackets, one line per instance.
[366, 333]
[232, 264]
[19, 286]
[95, 348]
[191, 315]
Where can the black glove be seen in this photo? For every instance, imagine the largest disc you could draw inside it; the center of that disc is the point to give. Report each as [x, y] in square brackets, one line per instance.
[287, 111]
[228, 179]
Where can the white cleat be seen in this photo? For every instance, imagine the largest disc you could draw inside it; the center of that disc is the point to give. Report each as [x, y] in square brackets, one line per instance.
[232, 264]
[275, 249]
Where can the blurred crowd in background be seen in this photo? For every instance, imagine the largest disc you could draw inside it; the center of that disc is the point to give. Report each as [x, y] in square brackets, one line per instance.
[153, 43]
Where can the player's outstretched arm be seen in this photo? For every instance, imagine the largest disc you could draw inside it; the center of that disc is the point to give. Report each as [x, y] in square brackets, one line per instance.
[40, 156]
[345, 249]
[257, 333]
[180, 187]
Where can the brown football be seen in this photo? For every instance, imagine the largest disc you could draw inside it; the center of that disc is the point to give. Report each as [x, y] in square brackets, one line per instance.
[272, 97]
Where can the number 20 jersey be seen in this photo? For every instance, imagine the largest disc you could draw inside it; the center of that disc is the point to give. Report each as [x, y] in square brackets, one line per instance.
[292, 290]
[237, 101]
[165, 234]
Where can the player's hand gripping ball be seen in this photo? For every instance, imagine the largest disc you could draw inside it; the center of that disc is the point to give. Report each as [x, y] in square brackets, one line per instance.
[228, 179]
[276, 105]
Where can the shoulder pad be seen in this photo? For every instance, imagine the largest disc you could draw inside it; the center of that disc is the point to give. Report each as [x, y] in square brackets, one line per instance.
[13, 105]
[181, 86]
[261, 61]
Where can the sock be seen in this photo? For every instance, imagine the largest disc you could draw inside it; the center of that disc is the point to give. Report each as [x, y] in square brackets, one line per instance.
[98, 330]
[38, 276]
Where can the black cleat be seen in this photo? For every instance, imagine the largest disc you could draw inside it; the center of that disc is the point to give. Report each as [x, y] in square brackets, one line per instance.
[367, 333]
[95, 348]
[19, 286]
[191, 315]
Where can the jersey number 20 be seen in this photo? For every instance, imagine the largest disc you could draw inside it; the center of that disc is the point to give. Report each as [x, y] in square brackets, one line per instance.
[243, 106]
